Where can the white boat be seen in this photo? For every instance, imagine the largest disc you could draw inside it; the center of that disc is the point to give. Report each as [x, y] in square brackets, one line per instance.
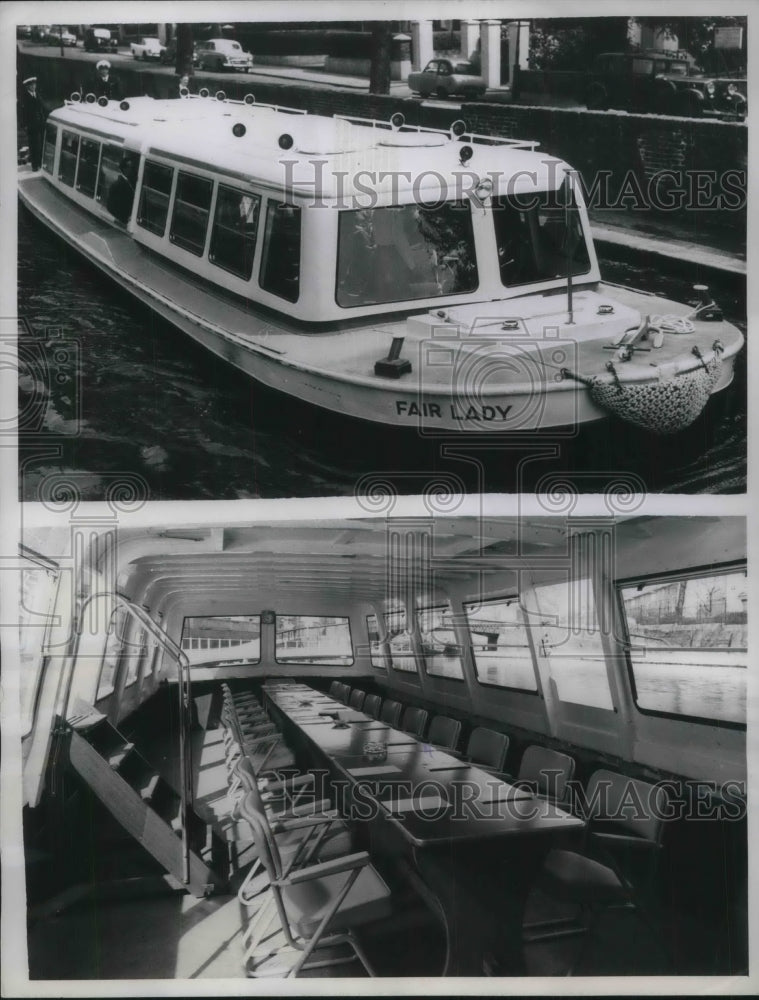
[407, 276]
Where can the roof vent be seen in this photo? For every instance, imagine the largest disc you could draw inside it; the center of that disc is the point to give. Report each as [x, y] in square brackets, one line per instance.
[90, 98]
[103, 101]
[203, 92]
[124, 105]
[220, 95]
[397, 120]
[76, 97]
[249, 99]
[285, 141]
[465, 155]
[238, 130]
[458, 128]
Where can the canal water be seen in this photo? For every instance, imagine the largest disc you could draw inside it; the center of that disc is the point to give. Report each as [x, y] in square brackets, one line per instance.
[113, 399]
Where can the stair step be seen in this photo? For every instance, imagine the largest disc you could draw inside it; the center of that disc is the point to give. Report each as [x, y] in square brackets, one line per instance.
[116, 758]
[148, 790]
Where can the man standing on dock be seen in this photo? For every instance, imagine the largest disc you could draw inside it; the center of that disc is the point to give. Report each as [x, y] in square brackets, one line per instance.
[33, 115]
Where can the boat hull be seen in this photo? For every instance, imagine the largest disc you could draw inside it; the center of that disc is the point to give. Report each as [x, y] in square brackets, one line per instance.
[462, 397]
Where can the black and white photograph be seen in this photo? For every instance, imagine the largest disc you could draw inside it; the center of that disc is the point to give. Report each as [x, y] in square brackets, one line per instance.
[267, 259]
[377, 499]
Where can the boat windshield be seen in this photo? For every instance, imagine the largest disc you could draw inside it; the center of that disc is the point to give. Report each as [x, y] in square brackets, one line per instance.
[537, 238]
[405, 252]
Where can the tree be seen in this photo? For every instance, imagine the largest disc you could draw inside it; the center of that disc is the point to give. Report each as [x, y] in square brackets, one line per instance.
[184, 50]
[379, 74]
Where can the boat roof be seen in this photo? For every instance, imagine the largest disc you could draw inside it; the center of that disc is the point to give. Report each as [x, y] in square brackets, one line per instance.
[351, 160]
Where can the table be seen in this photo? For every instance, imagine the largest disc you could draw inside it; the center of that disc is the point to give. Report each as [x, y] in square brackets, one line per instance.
[475, 843]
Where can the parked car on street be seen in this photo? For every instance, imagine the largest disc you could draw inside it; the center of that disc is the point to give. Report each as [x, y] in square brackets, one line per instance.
[659, 82]
[100, 40]
[146, 48]
[57, 35]
[443, 77]
[223, 53]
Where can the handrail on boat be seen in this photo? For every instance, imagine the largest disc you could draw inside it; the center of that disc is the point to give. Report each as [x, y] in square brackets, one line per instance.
[476, 137]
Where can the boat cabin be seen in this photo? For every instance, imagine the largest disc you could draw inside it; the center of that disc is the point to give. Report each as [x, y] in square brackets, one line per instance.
[536, 662]
[325, 219]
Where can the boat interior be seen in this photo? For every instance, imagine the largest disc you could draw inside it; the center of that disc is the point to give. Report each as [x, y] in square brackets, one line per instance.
[210, 710]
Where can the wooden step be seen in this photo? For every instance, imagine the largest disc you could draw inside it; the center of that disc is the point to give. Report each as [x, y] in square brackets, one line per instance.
[116, 757]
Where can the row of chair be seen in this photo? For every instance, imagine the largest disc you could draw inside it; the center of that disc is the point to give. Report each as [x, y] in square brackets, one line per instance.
[307, 887]
[548, 771]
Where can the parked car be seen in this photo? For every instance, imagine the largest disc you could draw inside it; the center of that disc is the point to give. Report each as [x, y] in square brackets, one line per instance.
[100, 40]
[23, 31]
[39, 32]
[169, 54]
[56, 36]
[657, 82]
[223, 53]
[146, 48]
[443, 77]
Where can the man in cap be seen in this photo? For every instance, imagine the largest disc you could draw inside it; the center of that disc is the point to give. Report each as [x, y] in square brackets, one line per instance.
[33, 115]
[103, 83]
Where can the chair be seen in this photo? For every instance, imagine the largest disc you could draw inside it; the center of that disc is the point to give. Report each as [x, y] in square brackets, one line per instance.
[617, 865]
[414, 721]
[356, 699]
[547, 771]
[334, 689]
[444, 732]
[487, 748]
[343, 693]
[391, 713]
[372, 704]
[316, 906]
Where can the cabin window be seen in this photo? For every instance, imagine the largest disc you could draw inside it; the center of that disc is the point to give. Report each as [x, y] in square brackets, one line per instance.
[111, 657]
[109, 170]
[280, 267]
[440, 649]
[89, 158]
[48, 149]
[539, 237]
[687, 644]
[405, 252]
[313, 639]
[133, 650]
[39, 587]
[154, 197]
[500, 644]
[222, 640]
[192, 204]
[568, 639]
[399, 641]
[235, 226]
[68, 157]
[375, 643]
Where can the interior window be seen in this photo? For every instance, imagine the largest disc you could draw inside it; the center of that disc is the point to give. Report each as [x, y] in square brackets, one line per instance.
[375, 646]
[688, 644]
[39, 587]
[567, 637]
[313, 639]
[89, 158]
[642, 66]
[48, 149]
[405, 252]
[280, 267]
[68, 157]
[500, 644]
[235, 226]
[112, 655]
[538, 237]
[440, 648]
[154, 197]
[189, 220]
[399, 640]
[222, 640]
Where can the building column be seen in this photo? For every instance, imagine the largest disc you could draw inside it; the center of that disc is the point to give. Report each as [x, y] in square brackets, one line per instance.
[519, 46]
[470, 36]
[422, 48]
[490, 38]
